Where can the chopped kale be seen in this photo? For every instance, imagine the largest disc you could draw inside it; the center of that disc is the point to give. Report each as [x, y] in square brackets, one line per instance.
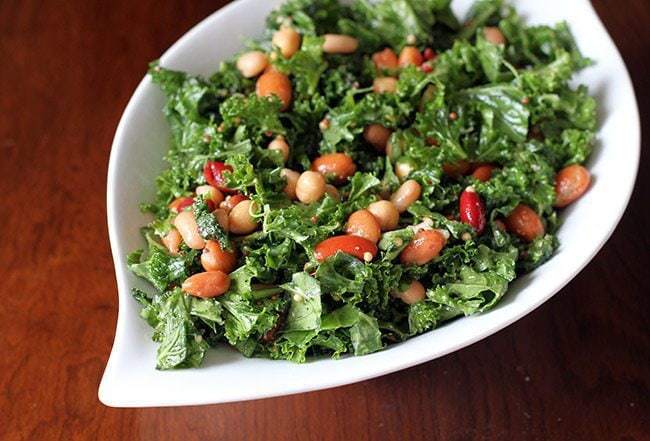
[474, 102]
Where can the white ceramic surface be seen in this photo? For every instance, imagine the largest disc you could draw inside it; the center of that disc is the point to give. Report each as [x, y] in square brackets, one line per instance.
[131, 380]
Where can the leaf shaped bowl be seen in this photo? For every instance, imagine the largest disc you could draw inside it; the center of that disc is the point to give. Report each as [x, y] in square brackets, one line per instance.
[142, 137]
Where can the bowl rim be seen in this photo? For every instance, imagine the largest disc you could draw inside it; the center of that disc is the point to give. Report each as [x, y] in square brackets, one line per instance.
[118, 149]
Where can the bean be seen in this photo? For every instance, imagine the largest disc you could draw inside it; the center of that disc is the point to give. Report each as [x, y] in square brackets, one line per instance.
[332, 191]
[215, 258]
[385, 59]
[498, 224]
[386, 214]
[413, 294]
[287, 40]
[410, 56]
[426, 67]
[207, 284]
[252, 63]
[324, 124]
[222, 218]
[403, 168]
[423, 248]
[432, 141]
[525, 223]
[240, 218]
[186, 225]
[214, 174]
[377, 136]
[457, 169]
[384, 85]
[280, 144]
[472, 209]
[291, 177]
[310, 187]
[429, 54]
[483, 172]
[210, 193]
[405, 195]
[275, 83]
[172, 241]
[494, 35]
[179, 204]
[393, 150]
[337, 166]
[232, 200]
[363, 223]
[339, 44]
[570, 184]
[355, 246]
[428, 95]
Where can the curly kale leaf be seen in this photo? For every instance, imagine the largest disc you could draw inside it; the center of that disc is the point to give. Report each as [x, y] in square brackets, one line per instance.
[475, 279]
[397, 22]
[305, 311]
[175, 318]
[159, 267]
[209, 227]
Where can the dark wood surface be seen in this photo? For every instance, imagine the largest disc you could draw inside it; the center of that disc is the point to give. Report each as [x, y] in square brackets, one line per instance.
[577, 368]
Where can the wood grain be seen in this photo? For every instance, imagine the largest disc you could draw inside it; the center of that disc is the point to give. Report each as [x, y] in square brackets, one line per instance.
[577, 368]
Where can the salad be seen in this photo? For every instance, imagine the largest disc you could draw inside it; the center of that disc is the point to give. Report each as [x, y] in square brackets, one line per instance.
[359, 176]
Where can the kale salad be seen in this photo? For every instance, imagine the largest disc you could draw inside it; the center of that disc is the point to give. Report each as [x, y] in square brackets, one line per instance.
[359, 176]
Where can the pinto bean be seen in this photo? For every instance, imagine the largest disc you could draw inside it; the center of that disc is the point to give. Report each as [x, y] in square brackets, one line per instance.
[425, 246]
[279, 144]
[210, 193]
[385, 59]
[275, 83]
[525, 223]
[483, 172]
[215, 258]
[172, 241]
[332, 191]
[222, 218]
[310, 187]
[207, 284]
[410, 56]
[240, 218]
[291, 177]
[384, 85]
[335, 165]
[494, 35]
[386, 214]
[363, 223]
[377, 136]
[570, 184]
[413, 294]
[406, 194]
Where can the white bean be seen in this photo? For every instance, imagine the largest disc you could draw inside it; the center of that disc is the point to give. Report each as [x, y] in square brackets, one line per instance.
[339, 44]
[253, 63]
[186, 225]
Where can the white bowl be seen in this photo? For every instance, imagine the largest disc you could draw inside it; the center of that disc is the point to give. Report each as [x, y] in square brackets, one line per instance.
[142, 138]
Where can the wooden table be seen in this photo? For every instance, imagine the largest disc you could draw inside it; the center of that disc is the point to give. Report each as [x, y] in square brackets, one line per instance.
[577, 368]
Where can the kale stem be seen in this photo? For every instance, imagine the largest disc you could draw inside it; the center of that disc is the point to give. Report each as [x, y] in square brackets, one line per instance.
[264, 293]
